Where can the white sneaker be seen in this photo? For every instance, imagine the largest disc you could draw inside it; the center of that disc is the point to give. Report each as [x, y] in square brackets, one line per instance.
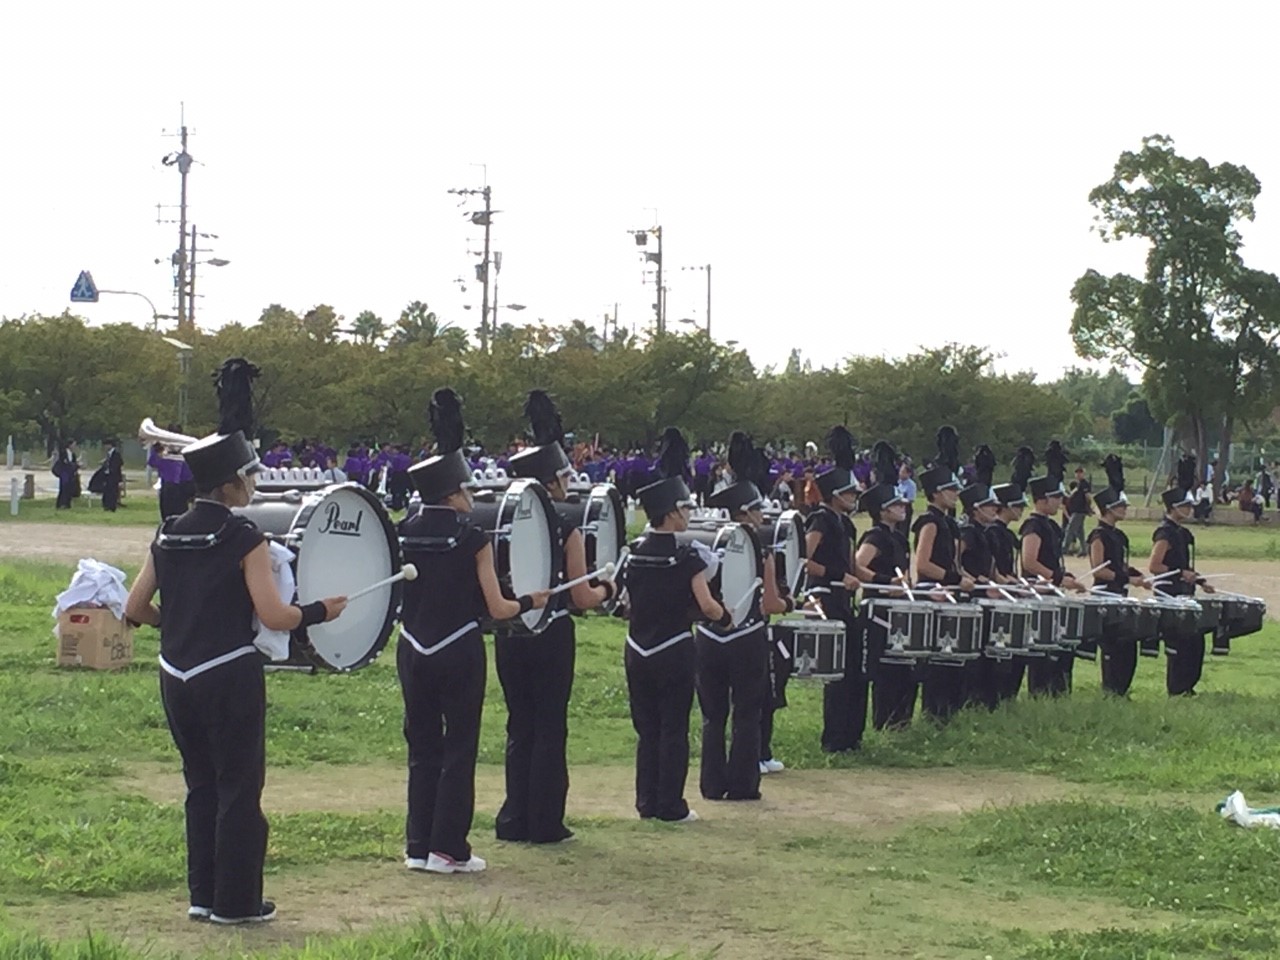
[443, 863]
[690, 817]
[772, 766]
[415, 863]
[199, 913]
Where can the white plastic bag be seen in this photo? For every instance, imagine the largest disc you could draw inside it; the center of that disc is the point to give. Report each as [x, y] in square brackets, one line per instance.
[275, 643]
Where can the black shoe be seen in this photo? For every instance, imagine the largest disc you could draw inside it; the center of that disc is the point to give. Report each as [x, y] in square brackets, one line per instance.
[265, 913]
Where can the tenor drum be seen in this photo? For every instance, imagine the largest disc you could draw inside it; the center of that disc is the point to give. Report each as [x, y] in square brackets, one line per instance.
[737, 566]
[957, 631]
[784, 535]
[1179, 618]
[1006, 628]
[908, 625]
[1242, 615]
[342, 540]
[816, 647]
[599, 514]
[527, 553]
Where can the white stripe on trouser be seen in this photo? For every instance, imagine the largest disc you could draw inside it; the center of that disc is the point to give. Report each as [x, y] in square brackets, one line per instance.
[458, 634]
[659, 648]
[726, 637]
[199, 668]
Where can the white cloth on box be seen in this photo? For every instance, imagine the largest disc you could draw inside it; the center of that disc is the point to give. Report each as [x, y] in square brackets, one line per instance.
[1235, 809]
[94, 584]
[275, 643]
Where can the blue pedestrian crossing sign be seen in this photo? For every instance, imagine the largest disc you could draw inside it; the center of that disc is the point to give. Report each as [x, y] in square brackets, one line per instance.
[84, 290]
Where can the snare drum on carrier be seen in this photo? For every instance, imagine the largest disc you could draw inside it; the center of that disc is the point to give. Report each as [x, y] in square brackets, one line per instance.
[908, 628]
[816, 648]
[957, 631]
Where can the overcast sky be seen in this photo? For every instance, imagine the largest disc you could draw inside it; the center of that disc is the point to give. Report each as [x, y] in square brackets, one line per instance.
[863, 178]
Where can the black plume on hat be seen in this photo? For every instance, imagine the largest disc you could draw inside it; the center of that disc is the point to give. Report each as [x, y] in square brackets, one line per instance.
[1055, 461]
[761, 471]
[1115, 472]
[673, 454]
[949, 448]
[984, 465]
[886, 462]
[445, 414]
[1024, 461]
[741, 456]
[841, 443]
[544, 418]
[234, 384]
[1187, 471]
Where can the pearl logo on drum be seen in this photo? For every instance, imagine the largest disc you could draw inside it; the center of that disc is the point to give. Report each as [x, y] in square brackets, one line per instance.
[336, 523]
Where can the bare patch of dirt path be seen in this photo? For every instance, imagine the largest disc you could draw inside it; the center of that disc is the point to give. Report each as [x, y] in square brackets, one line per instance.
[68, 543]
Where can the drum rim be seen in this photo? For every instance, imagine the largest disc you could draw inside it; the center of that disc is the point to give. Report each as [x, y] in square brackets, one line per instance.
[397, 588]
[578, 512]
[793, 517]
[753, 544]
[518, 624]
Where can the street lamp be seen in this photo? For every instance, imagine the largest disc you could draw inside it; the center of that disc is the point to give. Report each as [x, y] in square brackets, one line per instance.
[184, 369]
[155, 317]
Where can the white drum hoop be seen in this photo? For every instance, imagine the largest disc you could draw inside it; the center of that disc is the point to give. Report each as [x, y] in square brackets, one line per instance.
[601, 518]
[789, 551]
[738, 550]
[527, 553]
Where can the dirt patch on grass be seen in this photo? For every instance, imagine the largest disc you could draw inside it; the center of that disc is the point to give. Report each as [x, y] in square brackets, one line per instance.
[875, 798]
[1253, 578]
[68, 543]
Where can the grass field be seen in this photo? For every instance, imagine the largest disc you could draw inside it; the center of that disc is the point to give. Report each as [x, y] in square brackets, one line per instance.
[1083, 828]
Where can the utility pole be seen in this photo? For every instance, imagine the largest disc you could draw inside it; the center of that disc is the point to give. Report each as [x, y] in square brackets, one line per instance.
[660, 301]
[484, 219]
[181, 262]
[191, 281]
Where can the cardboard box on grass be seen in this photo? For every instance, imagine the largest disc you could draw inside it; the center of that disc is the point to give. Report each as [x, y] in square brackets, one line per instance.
[92, 637]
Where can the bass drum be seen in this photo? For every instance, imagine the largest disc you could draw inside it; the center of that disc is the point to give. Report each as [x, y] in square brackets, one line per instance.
[783, 533]
[736, 550]
[527, 553]
[601, 517]
[342, 540]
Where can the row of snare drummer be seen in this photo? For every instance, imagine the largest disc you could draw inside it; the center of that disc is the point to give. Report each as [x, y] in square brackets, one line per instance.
[917, 630]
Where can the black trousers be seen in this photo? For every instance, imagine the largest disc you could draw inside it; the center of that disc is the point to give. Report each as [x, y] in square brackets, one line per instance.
[400, 487]
[844, 701]
[111, 493]
[661, 690]
[775, 697]
[1119, 663]
[943, 688]
[66, 493]
[1007, 677]
[218, 722]
[731, 678]
[982, 683]
[1184, 661]
[536, 673]
[1050, 675]
[443, 701]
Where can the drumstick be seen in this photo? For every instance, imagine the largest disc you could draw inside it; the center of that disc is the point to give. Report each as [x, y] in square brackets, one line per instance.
[1214, 576]
[746, 598]
[605, 573]
[905, 583]
[407, 572]
[1101, 566]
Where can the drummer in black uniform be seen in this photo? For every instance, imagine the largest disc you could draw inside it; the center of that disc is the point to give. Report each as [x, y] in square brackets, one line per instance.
[536, 670]
[1005, 552]
[213, 571]
[1109, 545]
[1174, 548]
[733, 664]
[978, 562]
[829, 536]
[937, 552]
[1042, 559]
[667, 590]
[441, 656]
[882, 559]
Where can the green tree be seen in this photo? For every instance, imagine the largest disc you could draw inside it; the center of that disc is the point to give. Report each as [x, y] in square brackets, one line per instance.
[419, 324]
[1201, 325]
[368, 327]
[321, 323]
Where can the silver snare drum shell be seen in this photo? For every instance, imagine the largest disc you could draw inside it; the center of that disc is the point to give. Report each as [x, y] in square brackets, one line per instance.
[908, 625]
[817, 648]
[1045, 627]
[1006, 627]
[957, 631]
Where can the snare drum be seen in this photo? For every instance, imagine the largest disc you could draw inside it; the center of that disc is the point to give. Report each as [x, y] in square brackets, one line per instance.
[1071, 620]
[1044, 625]
[816, 647]
[1006, 628]
[1179, 618]
[739, 566]
[342, 540]
[784, 536]
[957, 631]
[527, 553]
[908, 625]
[598, 513]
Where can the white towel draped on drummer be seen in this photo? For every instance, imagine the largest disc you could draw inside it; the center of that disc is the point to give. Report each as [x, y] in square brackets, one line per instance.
[708, 556]
[275, 643]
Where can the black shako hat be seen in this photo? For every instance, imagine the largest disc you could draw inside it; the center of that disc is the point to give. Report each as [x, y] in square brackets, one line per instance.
[670, 491]
[744, 493]
[222, 456]
[1113, 495]
[546, 460]
[1184, 492]
[880, 496]
[977, 495]
[448, 471]
[1009, 495]
[942, 475]
[1044, 487]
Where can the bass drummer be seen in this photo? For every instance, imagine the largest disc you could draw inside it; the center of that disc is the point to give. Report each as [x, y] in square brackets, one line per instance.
[440, 658]
[829, 536]
[536, 670]
[732, 662]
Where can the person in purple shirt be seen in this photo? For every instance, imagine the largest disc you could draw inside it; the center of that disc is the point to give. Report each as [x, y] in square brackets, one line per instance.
[176, 485]
[398, 484]
[356, 467]
[702, 476]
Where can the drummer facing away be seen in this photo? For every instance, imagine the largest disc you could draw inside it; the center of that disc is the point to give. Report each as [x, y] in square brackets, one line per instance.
[667, 586]
[536, 671]
[440, 657]
[213, 571]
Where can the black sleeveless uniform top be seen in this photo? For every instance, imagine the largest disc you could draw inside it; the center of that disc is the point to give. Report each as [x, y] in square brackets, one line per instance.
[945, 542]
[659, 581]
[1004, 548]
[1181, 555]
[446, 596]
[834, 551]
[976, 559]
[205, 607]
[1115, 553]
[892, 552]
[1050, 533]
